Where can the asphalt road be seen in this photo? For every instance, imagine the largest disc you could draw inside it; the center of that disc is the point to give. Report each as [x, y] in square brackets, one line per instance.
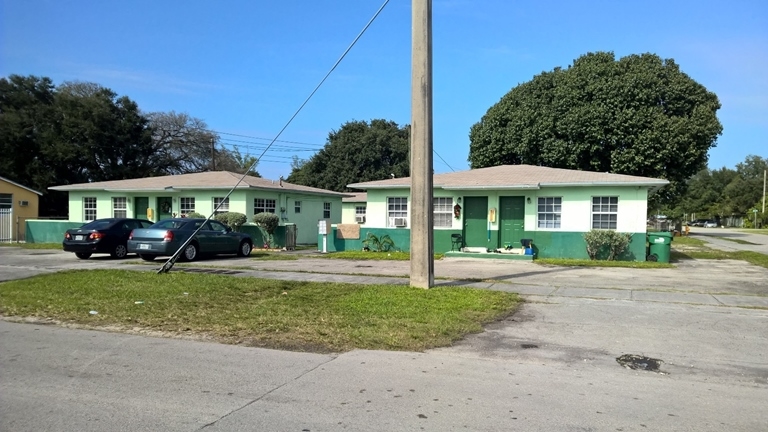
[552, 366]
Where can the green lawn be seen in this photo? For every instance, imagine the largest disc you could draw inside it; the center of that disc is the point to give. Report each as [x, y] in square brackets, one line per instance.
[369, 255]
[302, 316]
[565, 262]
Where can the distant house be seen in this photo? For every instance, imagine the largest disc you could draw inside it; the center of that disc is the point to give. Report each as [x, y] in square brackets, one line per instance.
[157, 198]
[353, 208]
[497, 207]
[18, 203]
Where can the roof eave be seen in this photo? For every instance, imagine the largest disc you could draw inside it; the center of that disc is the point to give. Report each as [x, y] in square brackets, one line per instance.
[660, 183]
[491, 187]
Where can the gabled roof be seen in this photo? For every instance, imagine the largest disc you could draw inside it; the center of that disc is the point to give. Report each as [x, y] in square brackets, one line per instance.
[517, 177]
[355, 197]
[222, 180]
[21, 186]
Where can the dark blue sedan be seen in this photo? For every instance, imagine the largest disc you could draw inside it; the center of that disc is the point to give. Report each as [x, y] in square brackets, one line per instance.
[102, 236]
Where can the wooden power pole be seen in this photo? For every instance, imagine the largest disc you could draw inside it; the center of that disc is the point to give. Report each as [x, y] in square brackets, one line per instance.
[422, 246]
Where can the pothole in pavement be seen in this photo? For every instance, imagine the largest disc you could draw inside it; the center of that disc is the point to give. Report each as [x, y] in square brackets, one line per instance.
[528, 346]
[636, 362]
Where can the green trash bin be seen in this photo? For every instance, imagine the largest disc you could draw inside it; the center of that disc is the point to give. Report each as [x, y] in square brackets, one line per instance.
[659, 246]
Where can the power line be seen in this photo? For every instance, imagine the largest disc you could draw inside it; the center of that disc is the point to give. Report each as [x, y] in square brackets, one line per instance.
[441, 158]
[172, 260]
[265, 139]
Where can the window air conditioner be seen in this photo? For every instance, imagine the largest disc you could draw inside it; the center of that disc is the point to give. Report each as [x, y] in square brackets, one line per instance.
[401, 222]
[23, 203]
[360, 219]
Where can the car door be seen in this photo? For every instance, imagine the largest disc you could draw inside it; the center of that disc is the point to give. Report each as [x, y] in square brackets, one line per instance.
[227, 242]
[205, 237]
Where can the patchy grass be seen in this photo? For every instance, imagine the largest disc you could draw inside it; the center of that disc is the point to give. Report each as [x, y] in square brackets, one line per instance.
[755, 258]
[735, 240]
[565, 262]
[687, 241]
[302, 316]
[370, 255]
[277, 256]
[755, 231]
[33, 245]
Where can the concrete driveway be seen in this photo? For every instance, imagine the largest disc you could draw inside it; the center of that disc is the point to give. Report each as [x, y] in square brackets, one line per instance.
[551, 366]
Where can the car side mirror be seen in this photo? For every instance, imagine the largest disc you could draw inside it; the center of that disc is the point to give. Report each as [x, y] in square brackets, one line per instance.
[227, 230]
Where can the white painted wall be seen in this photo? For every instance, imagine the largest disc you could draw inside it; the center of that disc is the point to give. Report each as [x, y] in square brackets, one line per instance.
[241, 201]
[576, 206]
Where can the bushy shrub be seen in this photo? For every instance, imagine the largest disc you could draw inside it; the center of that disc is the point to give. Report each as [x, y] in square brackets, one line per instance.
[267, 223]
[612, 243]
[195, 215]
[234, 220]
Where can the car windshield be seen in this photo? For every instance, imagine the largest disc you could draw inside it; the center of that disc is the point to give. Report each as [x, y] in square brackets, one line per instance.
[98, 224]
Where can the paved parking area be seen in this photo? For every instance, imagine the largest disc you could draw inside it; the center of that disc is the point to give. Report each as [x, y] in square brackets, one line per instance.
[551, 366]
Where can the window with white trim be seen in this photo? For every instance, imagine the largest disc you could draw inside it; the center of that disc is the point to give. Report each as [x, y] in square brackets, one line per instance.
[119, 207]
[442, 212]
[264, 205]
[326, 210]
[89, 208]
[549, 212]
[186, 205]
[397, 207]
[224, 208]
[360, 210]
[297, 207]
[605, 212]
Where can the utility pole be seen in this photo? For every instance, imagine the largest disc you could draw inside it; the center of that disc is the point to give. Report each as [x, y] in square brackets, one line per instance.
[213, 157]
[422, 247]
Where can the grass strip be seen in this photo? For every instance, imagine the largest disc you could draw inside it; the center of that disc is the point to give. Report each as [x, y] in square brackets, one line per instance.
[735, 240]
[300, 316]
[566, 262]
[369, 255]
[755, 258]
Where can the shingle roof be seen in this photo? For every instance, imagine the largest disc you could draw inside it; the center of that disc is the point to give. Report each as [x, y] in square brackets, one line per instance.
[517, 177]
[354, 197]
[204, 180]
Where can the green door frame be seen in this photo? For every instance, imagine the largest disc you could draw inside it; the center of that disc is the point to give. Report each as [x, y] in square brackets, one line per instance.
[476, 222]
[511, 220]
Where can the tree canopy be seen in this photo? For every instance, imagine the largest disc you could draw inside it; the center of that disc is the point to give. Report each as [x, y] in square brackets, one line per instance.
[82, 132]
[725, 192]
[359, 151]
[640, 115]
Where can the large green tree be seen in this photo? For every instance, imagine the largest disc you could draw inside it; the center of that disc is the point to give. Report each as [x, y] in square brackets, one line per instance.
[74, 133]
[640, 115]
[359, 151]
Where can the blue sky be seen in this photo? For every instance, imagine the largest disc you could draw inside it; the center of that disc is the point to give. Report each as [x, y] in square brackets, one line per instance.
[244, 67]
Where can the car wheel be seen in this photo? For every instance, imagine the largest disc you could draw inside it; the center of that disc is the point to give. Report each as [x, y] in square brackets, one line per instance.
[83, 255]
[120, 251]
[190, 252]
[147, 257]
[245, 249]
